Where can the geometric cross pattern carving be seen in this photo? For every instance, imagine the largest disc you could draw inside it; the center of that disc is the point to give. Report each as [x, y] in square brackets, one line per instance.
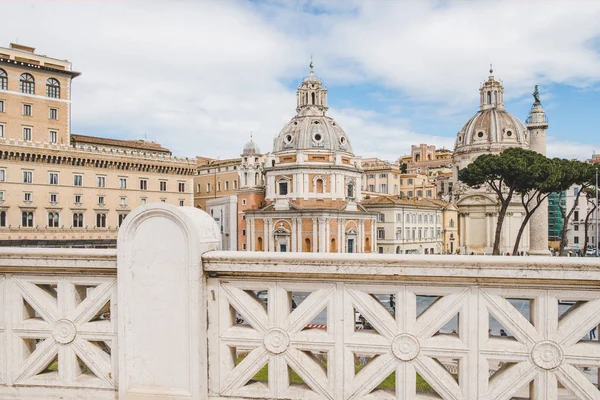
[276, 341]
[541, 358]
[62, 331]
[546, 349]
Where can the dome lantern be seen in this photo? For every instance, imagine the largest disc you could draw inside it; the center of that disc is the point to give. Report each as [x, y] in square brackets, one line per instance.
[491, 93]
[311, 96]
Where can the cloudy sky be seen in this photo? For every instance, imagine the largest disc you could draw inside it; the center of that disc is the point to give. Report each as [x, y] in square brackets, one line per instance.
[199, 76]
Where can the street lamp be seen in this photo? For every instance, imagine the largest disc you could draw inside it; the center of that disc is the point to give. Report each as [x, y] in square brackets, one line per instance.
[597, 255]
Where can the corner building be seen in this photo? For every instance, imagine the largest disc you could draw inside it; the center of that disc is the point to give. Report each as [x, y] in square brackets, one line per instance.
[312, 184]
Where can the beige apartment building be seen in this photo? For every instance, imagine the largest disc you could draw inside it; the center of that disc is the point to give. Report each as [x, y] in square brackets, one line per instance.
[384, 178]
[427, 159]
[59, 189]
[215, 179]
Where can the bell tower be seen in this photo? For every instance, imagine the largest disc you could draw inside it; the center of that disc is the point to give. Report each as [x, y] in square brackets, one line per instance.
[311, 96]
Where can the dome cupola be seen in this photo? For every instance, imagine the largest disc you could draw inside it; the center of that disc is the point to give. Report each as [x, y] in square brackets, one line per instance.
[250, 148]
[311, 128]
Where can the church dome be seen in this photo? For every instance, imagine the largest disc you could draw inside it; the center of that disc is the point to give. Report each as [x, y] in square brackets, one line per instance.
[251, 149]
[493, 128]
[311, 128]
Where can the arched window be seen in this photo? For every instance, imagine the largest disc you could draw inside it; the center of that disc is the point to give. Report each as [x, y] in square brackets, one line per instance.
[256, 179]
[2, 218]
[53, 220]
[367, 245]
[78, 220]
[27, 84]
[27, 219]
[53, 88]
[259, 245]
[451, 223]
[333, 246]
[417, 158]
[495, 97]
[313, 98]
[3, 80]
[245, 179]
[319, 185]
[489, 97]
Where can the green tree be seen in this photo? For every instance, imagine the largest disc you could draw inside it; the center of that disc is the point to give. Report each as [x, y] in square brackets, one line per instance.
[403, 167]
[590, 196]
[540, 177]
[580, 175]
[503, 174]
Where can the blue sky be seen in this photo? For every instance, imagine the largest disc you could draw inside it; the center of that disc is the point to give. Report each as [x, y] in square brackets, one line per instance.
[199, 76]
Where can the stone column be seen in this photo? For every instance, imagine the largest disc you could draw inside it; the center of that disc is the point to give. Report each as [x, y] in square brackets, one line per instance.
[322, 238]
[488, 219]
[162, 336]
[537, 125]
[299, 227]
[249, 234]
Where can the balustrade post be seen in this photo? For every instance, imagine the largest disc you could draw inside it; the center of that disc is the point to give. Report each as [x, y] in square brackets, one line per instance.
[162, 342]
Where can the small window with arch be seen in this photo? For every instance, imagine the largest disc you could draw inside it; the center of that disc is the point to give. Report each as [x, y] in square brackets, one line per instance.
[27, 84]
[3, 80]
[53, 88]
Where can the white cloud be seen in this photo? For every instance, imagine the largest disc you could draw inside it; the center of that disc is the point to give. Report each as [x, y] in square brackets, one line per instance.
[199, 76]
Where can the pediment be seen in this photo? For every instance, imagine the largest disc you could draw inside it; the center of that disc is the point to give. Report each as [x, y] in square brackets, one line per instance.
[476, 199]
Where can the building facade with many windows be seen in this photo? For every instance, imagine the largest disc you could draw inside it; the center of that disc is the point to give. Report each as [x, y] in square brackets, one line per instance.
[61, 189]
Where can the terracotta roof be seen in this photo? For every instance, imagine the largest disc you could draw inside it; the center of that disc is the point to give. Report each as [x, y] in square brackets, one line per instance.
[130, 144]
[395, 200]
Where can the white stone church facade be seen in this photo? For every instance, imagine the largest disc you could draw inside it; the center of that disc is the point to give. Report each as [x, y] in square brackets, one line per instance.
[491, 130]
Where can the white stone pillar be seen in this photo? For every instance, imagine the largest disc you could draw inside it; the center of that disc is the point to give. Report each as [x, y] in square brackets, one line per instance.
[488, 219]
[467, 230]
[162, 350]
[322, 244]
[299, 227]
[327, 235]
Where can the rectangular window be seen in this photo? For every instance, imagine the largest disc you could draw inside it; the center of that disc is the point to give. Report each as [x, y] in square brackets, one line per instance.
[27, 196]
[77, 180]
[370, 176]
[181, 187]
[244, 246]
[243, 202]
[101, 200]
[380, 233]
[383, 188]
[27, 219]
[243, 232]
[181, 203]
[1, 196]
[380, 217]
[27, 177]
[576, 216]
[144, 200]
[410, 181]
[123, 201]
[576, 239]
[53, 178]
[27, 110]
[383, 175]
[122, 183]
[371, 188]
[143, 184]
[576, 227]
[218, 186]
[163, 186]
[429, 193]
[53, 136]
[163, 200]
[2, 175]
[380, 250]
[283, 188]
[101, 181]
[53, 113]
[78, 198]
[226, 185]
[78, 220]
[1, 105]
[198, 188]
[1, 131]
[53, 197]
[27, 134]
[208, 187]
[235, 184]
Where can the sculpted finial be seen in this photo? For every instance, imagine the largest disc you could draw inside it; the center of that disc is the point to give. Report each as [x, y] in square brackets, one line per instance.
[311, 65]
[491, 69]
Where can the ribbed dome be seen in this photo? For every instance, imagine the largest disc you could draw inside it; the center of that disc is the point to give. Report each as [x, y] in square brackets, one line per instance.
[489, 127]
[251, 149]
[312, 132]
